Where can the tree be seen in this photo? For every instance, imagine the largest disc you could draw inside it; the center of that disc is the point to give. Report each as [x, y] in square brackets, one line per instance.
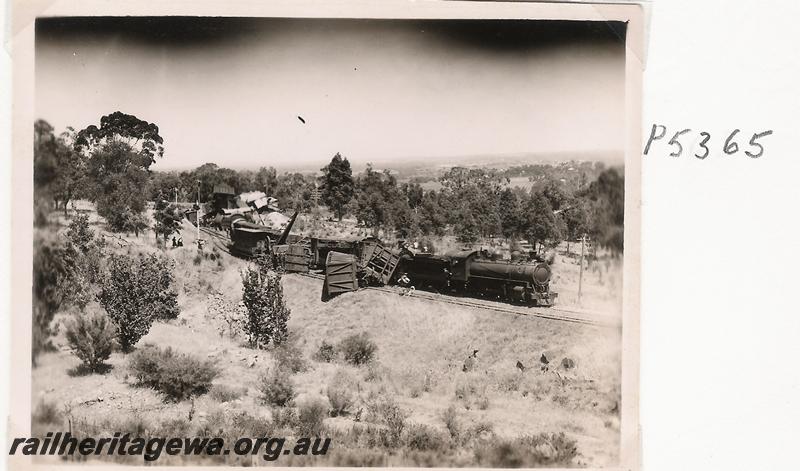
[466, 228]
[606, 209]
[431, 216]
[162, 186]
[266, 180]
[58, 170]
[294, 191]
[414, 194]
[71, 170]
[541, 226]
[120, 153]
[576, 219]
[168, 219]
[474, 191]
[140, 135]
[374, 194]
[336, 185]
[135, 292]
[267, 313]
[510, 212]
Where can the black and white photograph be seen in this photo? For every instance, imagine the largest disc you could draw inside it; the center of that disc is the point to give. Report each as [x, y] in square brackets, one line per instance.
[343, 241]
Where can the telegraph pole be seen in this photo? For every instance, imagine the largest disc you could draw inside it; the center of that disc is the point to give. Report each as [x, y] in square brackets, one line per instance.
[199, 247]
[580, 276]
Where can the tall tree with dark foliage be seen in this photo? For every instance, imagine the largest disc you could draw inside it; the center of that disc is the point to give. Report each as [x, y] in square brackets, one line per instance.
[336, 185]
[120, 153]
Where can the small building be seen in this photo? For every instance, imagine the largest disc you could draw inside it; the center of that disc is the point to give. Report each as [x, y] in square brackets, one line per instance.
[223, 197]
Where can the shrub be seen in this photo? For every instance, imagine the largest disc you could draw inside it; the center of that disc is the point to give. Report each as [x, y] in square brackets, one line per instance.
[310, 418]
[175, 427]
[177, 376]
[267, 313]
[510, 382]
[289, 355]
[550, 450]
[232, 426]
[326, 353]
[374, 372]
[340, 393]
[46, 413]
[390, 414]
[284, 417]
[452, 423]
[358, 349]
[79, 232]
[276, 387]
[423, 438]
[135, 292]
[243, 424]
[223, 393]
[91, 338]
[481, 427]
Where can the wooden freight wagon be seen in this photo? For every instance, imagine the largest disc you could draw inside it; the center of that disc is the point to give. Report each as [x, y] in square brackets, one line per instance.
[377, 263]
[340, 274]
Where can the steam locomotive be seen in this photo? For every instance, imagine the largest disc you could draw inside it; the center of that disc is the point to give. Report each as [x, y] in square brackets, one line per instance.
[474, 272]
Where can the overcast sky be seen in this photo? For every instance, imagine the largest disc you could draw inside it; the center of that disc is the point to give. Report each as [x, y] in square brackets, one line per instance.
[229, 91]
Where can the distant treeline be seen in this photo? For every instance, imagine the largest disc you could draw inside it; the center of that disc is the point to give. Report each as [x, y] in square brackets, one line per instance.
[110, 165]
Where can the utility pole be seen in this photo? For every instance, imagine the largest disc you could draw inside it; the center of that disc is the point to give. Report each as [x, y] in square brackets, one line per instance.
[199, 247]
[580, 276]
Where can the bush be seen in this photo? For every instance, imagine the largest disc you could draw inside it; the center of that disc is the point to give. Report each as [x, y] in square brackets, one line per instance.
[284, 417]
[326, 353]
[177, 376]
[390, 414]
[289, 355]
[340, 393]
[424, 438]
[267, 313]
[79, 233]
[277, 387]
[358, 349]
[551, 450]
[135, 292]
[451, 422]
[92, 339]
[223, 393]
[46, 413]
[176, 427]
[310, 418]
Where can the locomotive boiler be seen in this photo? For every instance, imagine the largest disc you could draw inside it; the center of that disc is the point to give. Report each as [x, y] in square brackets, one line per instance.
[475, 273]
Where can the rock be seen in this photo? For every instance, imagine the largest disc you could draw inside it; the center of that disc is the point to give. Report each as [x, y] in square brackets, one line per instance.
[567, 363]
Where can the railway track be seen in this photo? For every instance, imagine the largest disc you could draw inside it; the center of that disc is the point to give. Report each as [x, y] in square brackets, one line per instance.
[219, 241]
[553, 313]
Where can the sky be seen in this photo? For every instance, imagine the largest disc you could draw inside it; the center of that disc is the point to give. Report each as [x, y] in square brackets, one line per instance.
[230, 90]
